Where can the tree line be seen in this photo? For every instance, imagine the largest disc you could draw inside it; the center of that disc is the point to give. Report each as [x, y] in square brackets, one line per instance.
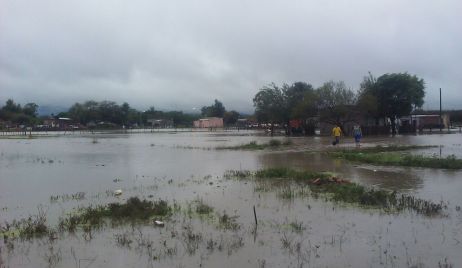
[387, 97]
[110, 112]
[379, 99]
[13, 112]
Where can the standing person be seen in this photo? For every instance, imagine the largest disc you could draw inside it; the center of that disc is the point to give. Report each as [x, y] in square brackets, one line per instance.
[336, 132]
[358, 135]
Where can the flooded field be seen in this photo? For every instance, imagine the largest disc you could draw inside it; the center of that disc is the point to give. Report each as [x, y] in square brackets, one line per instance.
[212, 219]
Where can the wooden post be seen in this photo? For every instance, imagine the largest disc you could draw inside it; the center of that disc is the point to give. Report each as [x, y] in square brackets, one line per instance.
[255, 215]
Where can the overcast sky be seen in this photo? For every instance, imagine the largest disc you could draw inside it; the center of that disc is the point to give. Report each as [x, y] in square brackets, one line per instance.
[184, 54]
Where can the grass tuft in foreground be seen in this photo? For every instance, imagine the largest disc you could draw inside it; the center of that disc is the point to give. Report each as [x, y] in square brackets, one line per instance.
[340, 190]
[33, 226]
[133, 209]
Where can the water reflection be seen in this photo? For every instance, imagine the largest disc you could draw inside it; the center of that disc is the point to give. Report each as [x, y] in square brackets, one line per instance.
[390, 178]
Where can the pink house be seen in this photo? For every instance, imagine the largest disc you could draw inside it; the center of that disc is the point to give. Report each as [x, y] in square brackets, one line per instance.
[209, 122]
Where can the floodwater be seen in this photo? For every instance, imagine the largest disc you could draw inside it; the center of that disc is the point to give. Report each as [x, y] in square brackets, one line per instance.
[182, 167]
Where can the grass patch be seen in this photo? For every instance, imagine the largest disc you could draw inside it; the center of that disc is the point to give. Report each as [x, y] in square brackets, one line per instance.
[227, 222]
[133, 209]
[392, 148]
[33, 226]
[253, 145]
[290, 173]
[400, 159]
[202, 208]
[340, 190]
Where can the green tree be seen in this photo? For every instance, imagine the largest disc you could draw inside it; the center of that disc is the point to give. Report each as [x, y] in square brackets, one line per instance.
[270, 105]
[397, 94]
[215, 110]
[30, 109]
[300, 102]
[367, 102]
[11, 107]
[125, 111]
[14, 113]
[336, 103]
[230, 118]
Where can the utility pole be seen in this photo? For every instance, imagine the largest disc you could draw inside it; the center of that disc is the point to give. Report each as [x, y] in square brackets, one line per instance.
[441, 115]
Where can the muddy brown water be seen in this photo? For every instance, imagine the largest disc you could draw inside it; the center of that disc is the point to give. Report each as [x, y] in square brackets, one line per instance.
[183, 167]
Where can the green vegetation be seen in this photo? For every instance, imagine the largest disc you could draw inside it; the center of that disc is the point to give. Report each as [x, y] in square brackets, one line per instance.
[340, 190]
[113, 113]
[217, 109]
[16, 114]
[290, 173]
[392, 148]
[133, 209]
[227, 222]
[253, 145]
[389, 96]
[202, 208]
[390, 158]
[89, 218]
[33, 226]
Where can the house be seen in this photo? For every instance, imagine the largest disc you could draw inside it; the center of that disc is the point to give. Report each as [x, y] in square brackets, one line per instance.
[161, 123]
[421, 121]
[58, 123]
[369, 126]
[209, 122]
[50, 123]
[305, 126]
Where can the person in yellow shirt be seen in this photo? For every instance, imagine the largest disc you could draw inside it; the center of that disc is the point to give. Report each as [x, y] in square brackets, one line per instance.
[336, 132]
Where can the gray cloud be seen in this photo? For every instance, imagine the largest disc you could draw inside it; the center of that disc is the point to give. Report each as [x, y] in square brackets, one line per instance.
[184, 54]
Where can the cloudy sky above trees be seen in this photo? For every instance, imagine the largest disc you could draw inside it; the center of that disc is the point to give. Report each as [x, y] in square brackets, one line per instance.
[184, 54]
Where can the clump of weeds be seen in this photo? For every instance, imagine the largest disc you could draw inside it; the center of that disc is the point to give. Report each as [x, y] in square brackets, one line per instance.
[253, 145]
[191, 240]
[274, 143]
[287, 193]
[202, 208]
[134, 209]
[297, 226]
[124, 240]
[33, 226]
[227, 222]
[390, 157]
[238, 174]
[53, 257]
[340, 190]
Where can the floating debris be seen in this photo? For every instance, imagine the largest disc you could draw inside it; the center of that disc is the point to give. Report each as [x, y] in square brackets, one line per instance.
[159, 223]
[118, 192]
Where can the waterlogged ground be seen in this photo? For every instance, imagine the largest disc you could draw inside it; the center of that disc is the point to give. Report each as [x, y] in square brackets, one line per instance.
[52, 176]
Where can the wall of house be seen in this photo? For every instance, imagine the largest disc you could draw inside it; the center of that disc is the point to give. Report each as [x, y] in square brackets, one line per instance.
[210, 122]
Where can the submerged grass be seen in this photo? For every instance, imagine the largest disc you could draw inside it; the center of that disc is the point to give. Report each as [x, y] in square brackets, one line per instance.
[340, 190]
[202, 208]
[392, 148]
[33, 226]
[253, 145]
[400, 159]
[134, 209]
